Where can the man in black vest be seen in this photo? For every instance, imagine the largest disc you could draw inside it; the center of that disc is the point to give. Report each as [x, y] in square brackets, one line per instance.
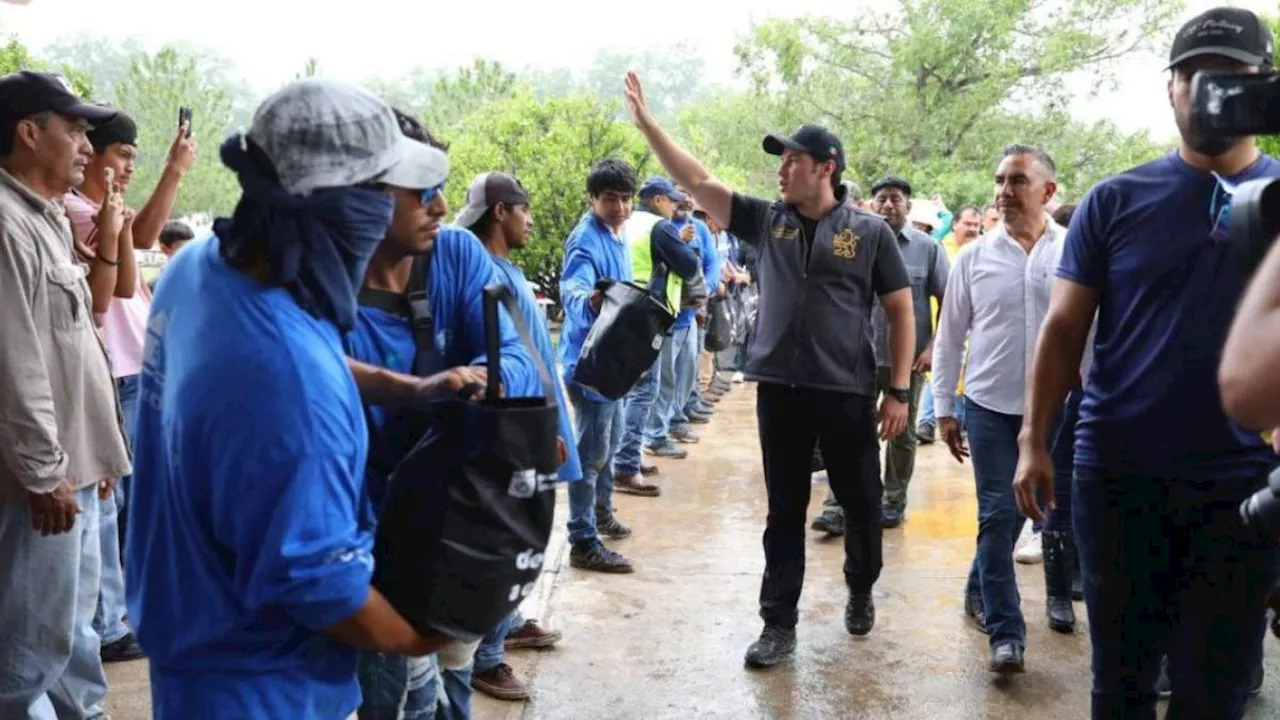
[821, 263]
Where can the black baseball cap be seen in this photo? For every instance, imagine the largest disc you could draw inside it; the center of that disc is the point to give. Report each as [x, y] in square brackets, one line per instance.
[814, 140]
[27, 93]
[119, 129]
[1234, 33]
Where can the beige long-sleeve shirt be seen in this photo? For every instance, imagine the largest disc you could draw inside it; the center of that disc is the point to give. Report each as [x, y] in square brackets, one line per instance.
[59, 414]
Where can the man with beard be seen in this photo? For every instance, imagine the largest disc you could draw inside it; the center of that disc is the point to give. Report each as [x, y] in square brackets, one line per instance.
[821, 263]
[450, 265]
[248, 553]
[1160, 471]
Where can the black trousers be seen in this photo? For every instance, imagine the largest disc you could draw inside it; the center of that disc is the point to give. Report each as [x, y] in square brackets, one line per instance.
[792, 422]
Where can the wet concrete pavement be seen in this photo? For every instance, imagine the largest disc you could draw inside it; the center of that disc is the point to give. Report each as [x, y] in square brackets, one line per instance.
[667, 641]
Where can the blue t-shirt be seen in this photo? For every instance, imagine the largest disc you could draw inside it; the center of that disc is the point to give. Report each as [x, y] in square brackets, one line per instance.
[1168, 292]
[249, 532]
[536, 320]
[460, 269]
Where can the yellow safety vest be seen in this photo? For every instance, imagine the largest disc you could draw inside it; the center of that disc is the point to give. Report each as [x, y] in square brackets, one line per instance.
[637, 231]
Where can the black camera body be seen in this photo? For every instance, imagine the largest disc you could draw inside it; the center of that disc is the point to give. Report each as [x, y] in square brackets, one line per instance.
[1240, 105]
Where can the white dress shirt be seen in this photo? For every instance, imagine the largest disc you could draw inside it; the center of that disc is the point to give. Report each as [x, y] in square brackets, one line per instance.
[997, 298]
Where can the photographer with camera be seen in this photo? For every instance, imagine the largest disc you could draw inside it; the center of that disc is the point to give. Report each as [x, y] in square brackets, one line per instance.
[1160, 471]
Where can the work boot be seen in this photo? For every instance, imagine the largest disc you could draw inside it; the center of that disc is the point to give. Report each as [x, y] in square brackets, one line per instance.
[635, 485]
[697, 418]
[1007, 659]
[775, 645]
[594, 556]
[500, 682]
[1057, 583]
[649, 470]
[859, 614]
[531, 635]
[830, 522]
[608, 526]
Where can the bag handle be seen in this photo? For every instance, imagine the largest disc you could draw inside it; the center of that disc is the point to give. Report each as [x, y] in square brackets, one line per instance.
[493, 295]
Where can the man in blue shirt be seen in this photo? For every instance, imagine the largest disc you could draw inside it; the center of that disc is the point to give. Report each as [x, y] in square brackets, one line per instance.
[497, 211]
[659, 249]
[457, 271]
[1160, 471]
[595, 251]
[249, 544]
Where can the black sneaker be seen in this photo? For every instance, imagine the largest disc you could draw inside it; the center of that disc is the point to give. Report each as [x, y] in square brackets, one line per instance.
[697, 418]
[650, 470]
[890, 516]
[860, 614]
[684, 435]
[598, 558]
[926, 434]
[1007, 659]
[775, 645]
[829, 522]
[608, 526]
[126, 649]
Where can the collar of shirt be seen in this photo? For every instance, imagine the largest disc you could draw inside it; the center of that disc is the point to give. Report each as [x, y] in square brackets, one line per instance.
[36, 202]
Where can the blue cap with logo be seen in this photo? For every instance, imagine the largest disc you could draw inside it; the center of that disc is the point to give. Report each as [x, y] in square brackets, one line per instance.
[658, 185]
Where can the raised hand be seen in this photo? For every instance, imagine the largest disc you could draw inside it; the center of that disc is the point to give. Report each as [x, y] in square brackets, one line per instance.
[636, 102]
[182, 153]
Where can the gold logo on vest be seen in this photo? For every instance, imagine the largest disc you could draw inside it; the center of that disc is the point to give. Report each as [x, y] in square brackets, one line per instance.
[845, 244]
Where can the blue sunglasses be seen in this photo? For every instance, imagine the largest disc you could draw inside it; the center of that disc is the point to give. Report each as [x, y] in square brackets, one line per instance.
[429, 194]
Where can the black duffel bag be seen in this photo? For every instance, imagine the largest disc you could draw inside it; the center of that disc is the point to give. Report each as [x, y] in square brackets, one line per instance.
[468, 512]
[624, 340]
[719, 325]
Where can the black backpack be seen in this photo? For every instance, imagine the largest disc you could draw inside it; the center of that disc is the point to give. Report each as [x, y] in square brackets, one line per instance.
[624, 340]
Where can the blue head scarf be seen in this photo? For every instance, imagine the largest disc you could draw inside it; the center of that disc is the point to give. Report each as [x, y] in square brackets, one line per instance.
[317, 246]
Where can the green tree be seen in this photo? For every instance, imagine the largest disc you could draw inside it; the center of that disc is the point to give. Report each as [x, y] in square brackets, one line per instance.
[15, 56]
[104, 60]
[445, 100]
[933, 88]
[153, 90]
[550, 146]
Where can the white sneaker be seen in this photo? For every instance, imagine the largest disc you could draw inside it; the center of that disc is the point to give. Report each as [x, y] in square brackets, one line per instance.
[738, 377]
[1030, 552]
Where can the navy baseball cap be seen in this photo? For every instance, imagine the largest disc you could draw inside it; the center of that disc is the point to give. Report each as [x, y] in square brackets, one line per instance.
[1234, 33]
[814, 140]
[658, 185]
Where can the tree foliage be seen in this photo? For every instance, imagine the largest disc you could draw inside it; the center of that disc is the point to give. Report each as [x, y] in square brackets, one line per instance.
[155, 86]
[549, 145]
[1270, 144]
[933, 88]
[15, 56]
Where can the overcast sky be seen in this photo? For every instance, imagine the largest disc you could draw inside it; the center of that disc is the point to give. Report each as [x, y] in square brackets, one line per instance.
[269, 40]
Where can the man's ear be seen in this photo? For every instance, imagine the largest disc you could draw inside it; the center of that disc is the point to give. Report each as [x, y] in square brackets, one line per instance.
[27, 133]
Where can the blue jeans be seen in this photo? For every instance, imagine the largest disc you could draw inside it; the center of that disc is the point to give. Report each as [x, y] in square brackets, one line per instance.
[49, 662]
[599, 434]
[108, 619]
[656, 425]
[493, 649]
[927, 416]
[993, 445]
[639, 405]
[1169, 568]
[673, 395]
[393, 687]
[695, 391]
[1063, 451]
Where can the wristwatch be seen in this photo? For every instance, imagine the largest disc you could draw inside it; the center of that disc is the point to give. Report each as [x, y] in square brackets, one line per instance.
[902, 395]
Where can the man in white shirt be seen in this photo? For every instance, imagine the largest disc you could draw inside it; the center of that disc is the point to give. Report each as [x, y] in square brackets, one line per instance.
[1000, 294]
